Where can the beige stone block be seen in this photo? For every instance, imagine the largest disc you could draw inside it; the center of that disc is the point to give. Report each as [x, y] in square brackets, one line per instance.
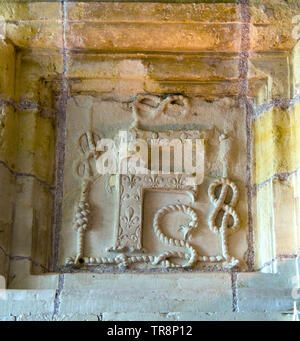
[23, 301]
[7, 70]
[132, 37]
[36, 145]
[276, 131]
[7, 198]
[296, 69]
[22, 277]
[276, 223]
[284, 211]
[204, 76]
[76, 317]
[27, 317]
[146, 292]
[27, 10]
[32, 222]
[57, 317]
[268, 292]
[274, 71]
[36, 76]
[117, 12]
[36, 34]
[155, 67]
[8, 136]
[265, 32]
[191, 316]
[264, 234]
[7, 318]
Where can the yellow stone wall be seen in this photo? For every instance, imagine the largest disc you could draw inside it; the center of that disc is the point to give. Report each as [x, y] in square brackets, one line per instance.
[276, 135]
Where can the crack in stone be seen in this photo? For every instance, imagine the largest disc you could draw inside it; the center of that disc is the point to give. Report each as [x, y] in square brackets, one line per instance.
[272, 261]
[21, 174]
[27, 105]
[60, 149]
[57, 302]
[280, 176]
[244, 11]
[235, 307]
[17, 257]
[284, 103]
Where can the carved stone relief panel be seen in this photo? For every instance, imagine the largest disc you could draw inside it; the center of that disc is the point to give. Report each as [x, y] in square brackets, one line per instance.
[154, 218]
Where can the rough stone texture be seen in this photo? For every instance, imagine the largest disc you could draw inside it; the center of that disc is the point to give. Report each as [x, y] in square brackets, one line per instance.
[146, 293]
[268, 292]
[61, 63]
[258, 316]
[277, 131]
[15, 302]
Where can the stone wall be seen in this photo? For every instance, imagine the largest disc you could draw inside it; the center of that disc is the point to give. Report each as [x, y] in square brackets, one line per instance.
[72, 68]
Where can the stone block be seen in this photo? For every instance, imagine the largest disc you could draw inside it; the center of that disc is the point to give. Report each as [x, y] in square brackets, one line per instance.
[188, 316]
[146, 293]
[277, 131]
[36, 145]
[268, 292]
[7, 70]
[7, 198]
[35, 301]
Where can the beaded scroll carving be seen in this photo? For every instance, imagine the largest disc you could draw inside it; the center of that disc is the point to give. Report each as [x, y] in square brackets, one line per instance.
[127, 249]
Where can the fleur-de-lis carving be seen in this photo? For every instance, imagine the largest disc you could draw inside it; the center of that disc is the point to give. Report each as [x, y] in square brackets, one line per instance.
[131, 180]
[156, 181]
[177, 181]
[130, 236]
[129, 220]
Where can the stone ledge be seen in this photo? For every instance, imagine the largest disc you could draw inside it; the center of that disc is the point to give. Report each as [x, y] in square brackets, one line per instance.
[17, 302]
[146, 293]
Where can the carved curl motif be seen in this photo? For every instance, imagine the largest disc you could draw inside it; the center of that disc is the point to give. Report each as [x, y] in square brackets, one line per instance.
[225, 205]
[151, 107]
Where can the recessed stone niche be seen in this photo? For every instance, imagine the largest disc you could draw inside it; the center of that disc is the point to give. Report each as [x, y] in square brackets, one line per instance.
[73, 74]
[118, 211]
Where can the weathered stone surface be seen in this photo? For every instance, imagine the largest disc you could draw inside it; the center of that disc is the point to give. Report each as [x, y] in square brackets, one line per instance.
[36, 145]
[153, 37]
[152, 27]
[38, 75]
[268, 292]
[30, 236]
[7, 198]
[17, 302]
[7, 70]
[30, 10]
[278, 132]
[146, 293]
[265, 33]
[7, 318]
[148, 12]
[182, 316]
[277, 210]
[57, 317]
[296, 68]
[27, 273]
